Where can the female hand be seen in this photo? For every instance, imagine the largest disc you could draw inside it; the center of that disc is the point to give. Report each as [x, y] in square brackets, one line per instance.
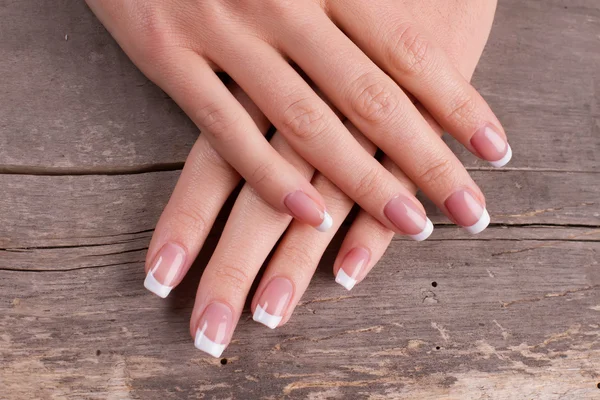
[357, 53]
[254, 227]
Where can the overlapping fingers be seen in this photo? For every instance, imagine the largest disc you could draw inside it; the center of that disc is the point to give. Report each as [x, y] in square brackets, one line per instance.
[252, 230]
[318, 135]
[204, 185]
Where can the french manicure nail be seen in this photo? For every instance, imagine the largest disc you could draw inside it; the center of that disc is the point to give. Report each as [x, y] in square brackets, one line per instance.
[214, 329]
[408, 218]
[468, 211]
[302, 207]
[165, 270]
[352, 265]
[273, 301]
[492, 146]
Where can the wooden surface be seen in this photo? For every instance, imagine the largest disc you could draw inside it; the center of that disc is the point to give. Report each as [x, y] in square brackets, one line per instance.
[89, 152]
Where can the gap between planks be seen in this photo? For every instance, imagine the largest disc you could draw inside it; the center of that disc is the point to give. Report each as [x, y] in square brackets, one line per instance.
[178, 166]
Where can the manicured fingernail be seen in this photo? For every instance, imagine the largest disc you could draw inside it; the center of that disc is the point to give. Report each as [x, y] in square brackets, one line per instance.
[165, 270]
[492, 146]
[408, 218]
[273, 302]
[214, 329]
[353, 263]
[305, 209]
[468, 211]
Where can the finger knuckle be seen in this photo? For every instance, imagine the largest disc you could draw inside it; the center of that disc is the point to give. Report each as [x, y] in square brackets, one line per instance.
[410, 52]
[264, 173]
[217, 121]
[236, 277]
[368, 184]
[301, 254]
[283, 10]
[372, 99]
[190, 217]
[440, 171]
[156, 32]
[304, 120]
[463, 111]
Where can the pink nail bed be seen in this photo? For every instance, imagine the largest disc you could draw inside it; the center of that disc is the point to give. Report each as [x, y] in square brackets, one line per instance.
[214, 329]
[354, 262]
[273, 301]
[408, 218]
[305, 209]
[166, 270]
[468, 211]
[492, 146]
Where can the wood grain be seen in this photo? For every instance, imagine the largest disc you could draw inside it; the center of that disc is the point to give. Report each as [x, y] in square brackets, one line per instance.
[90, 151]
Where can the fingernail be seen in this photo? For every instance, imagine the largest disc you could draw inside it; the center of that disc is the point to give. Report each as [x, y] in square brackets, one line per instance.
[408, 218]
[214, 329]
[492, 146]
[166, 269]
[305, 209]
[468, 211]
[273, 302]
[353, 263]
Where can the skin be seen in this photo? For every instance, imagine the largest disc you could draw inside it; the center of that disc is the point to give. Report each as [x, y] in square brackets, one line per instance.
[357, 53]
[253, 228]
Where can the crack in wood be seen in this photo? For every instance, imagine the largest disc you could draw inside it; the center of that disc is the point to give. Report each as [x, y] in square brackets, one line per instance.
[68, 171]
[70, 269]
[34, 170]
[326, 300]
[546, 210]
[116, 253]
[376, 329]
[70, 246]
[548, 296]
[550, 243]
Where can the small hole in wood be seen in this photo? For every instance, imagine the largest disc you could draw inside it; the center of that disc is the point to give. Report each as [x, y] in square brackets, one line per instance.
[598, 385]
[434, 284]
[437, 347]
[223, 361]
[98, 352]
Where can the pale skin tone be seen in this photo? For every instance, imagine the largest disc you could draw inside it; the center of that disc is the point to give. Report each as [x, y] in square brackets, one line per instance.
[429, 48]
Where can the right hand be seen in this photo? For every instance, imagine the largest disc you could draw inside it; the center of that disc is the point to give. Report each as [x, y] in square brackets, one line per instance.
[179, 44]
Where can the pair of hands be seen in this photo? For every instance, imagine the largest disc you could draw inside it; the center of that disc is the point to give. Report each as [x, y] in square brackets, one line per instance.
[429, 47]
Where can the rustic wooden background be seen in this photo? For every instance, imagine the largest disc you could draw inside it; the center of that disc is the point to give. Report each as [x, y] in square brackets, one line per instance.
[90, 150]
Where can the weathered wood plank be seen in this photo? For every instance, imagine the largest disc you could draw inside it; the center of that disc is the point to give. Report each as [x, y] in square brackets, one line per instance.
[502, 320]
[78, 103]
[110, 118]
[73, 210]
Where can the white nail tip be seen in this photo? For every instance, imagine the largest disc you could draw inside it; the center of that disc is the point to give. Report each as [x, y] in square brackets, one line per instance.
[156, 287]
[343, 279]
[504, 160]
[326, 224]
[203, 343]
[480, 225]
[263, 317]
[425, 233]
